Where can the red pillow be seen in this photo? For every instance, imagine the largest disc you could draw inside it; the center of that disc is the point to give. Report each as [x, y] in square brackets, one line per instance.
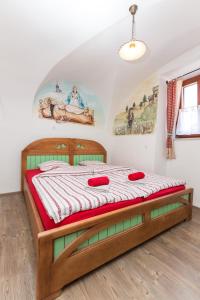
[136, 176]
[98, 181]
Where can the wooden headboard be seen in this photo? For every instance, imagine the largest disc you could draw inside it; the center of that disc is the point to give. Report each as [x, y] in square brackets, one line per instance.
[66, 149]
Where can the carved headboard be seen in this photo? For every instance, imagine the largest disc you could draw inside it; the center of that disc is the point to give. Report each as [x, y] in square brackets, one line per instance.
[66, 149]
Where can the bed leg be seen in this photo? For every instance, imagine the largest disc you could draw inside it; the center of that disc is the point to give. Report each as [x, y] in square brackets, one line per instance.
[44, 288]
[190, 201]
[189, 218]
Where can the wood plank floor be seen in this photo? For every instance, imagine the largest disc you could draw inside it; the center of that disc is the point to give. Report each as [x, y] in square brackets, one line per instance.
[166, 267]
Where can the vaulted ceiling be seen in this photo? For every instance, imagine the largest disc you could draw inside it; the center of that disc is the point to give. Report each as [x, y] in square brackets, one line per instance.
[168, 27]
[79, 40]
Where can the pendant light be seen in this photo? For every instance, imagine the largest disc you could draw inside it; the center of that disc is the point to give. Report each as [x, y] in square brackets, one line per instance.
[134, 49]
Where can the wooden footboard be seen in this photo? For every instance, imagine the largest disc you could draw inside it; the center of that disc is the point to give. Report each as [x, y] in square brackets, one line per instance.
[66, 253]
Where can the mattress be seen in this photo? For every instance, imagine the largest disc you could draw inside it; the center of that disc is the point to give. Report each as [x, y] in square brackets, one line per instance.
[48, 223]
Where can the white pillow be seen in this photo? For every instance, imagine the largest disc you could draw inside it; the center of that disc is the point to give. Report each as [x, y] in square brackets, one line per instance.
[52, 164]
[90, 162]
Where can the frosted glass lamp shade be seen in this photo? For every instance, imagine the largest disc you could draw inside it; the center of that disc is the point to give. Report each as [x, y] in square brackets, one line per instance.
[132, 50]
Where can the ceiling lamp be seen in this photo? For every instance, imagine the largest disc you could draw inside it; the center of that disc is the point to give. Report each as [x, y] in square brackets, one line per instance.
[134, 49]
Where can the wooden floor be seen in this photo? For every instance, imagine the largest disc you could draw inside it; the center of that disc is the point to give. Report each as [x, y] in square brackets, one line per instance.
[167, 267]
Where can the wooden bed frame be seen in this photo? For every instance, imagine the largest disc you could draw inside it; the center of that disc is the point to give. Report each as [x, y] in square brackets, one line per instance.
[55, 271]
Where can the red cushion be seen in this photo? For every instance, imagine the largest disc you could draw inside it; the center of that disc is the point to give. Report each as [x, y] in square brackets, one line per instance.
[136, 176]
[97, 181]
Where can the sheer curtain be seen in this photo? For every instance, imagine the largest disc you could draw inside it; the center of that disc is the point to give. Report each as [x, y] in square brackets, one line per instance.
[188, 121]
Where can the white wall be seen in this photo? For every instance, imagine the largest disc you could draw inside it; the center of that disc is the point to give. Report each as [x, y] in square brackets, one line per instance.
[137, 152]
[187, 164]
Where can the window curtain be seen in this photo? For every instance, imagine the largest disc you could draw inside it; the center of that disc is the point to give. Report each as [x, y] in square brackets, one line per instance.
[174, 88]
[188, 121]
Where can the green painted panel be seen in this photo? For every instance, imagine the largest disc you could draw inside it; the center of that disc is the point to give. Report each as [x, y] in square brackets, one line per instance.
[186, 197]
[119, 227]
[83, 245]
[139, 219]
[93, 239]
[34, 160]
[28, 162]
[136, 220]
[60, 243]
[78, 158]
[70, 238]
[103, 234]
[127, 224]
[37, 160]
[165, 209]
[111, 230]
[59, 246]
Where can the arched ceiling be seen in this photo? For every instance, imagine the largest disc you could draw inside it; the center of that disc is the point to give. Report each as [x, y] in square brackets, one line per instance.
[36, 34]
[169, 28]
[79, 39]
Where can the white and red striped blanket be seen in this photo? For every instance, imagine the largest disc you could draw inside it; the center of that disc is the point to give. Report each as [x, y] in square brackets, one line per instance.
[64, 191]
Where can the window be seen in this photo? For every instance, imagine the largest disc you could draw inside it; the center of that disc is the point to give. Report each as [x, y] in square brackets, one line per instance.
[188, 123]
[190, 95]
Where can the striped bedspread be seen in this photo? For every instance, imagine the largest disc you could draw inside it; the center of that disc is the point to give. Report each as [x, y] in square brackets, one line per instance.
[64, 191]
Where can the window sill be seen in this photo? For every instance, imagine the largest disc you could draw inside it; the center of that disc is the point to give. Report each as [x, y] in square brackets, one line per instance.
[191, 136]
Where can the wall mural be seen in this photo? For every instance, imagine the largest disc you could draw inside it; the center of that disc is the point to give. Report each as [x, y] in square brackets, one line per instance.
[139, 114]
[65, 102]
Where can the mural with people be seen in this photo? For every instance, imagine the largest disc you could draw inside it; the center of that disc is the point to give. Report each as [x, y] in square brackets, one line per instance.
[139, 115]
[66, 102]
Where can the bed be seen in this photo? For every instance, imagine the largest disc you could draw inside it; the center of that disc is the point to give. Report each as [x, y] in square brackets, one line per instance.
[67, 252]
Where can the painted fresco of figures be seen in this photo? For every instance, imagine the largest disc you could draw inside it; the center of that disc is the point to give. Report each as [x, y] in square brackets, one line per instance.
[75, 99]
[61, 114]
[66, 105]
[130, 117]
[44, 108]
